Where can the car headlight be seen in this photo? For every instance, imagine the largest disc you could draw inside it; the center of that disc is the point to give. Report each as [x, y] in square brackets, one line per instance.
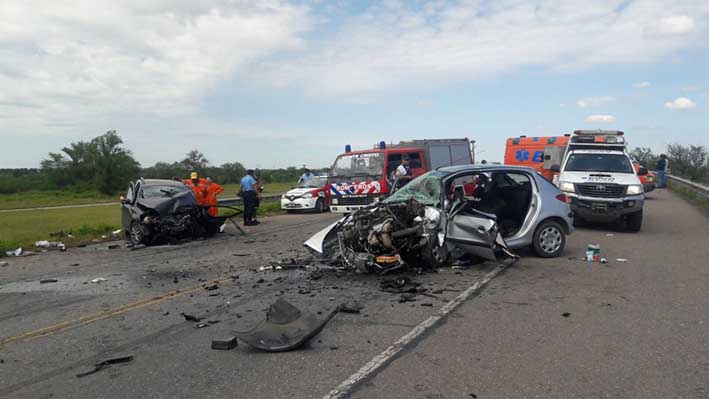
[334, 201]
[308, 195]
[567, 186]
[634, 189]
[650, 179]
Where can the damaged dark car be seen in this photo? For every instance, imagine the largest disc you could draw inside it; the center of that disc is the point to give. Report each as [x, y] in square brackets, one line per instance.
[156, 211]
[462, 211]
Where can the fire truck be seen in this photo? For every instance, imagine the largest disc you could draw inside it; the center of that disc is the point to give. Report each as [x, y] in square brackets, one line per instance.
[358, 178]
[593, 169]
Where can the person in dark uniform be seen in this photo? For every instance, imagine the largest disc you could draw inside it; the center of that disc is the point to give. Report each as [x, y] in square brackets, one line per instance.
[248, 195]
[403, 174]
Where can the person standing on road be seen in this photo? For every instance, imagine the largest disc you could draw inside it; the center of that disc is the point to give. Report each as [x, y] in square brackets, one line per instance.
[307, 175]
[248, 195]
[403, 174]
[213, 190]
[259, 187]
[662, 166]
[198, 187]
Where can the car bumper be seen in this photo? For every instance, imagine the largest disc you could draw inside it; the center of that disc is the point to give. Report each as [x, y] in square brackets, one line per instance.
[595, 209]
[346, 208]
[299, 203]
[648, 187]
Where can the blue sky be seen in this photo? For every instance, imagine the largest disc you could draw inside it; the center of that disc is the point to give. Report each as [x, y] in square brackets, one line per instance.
[273, 84]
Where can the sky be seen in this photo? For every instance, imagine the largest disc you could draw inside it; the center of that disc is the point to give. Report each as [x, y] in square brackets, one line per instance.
[274, 83]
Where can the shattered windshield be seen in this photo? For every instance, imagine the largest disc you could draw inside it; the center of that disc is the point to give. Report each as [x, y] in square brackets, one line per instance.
[351, 165]
[425, 189]
[315, 182]
[611, 163]
[163, 191]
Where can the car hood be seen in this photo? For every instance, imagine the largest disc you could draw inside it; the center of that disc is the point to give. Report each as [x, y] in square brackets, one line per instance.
[599, 177]
[169, 205]
[297, 192]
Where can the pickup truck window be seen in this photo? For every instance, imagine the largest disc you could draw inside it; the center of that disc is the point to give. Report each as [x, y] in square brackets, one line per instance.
[610, 163]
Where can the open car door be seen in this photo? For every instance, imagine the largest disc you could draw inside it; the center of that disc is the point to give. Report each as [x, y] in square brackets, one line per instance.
[473, 232]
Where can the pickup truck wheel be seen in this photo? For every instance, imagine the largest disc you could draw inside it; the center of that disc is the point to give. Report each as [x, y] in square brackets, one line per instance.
[137, 234]
[549, 239]
[635, 221]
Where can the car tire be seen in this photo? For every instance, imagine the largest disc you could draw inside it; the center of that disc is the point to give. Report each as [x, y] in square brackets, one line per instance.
[320, 205]
[137, 234]
[634, 221]
[549, 239]
[436, 257]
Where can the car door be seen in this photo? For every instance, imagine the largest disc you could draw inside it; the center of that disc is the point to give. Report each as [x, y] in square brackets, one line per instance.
[126, 205]
[466, 228]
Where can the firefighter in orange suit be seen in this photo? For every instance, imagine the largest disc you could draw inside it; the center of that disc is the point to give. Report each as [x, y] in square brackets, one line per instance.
[213, 190]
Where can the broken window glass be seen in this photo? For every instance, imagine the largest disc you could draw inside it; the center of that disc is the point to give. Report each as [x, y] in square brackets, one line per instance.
[425, 189]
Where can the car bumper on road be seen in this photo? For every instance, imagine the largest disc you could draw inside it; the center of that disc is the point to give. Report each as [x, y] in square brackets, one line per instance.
[595, 209]
[299, 203]
[346, 208]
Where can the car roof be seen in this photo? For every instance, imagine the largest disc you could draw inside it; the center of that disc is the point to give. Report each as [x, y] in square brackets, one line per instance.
[480, 167]
[162, 182]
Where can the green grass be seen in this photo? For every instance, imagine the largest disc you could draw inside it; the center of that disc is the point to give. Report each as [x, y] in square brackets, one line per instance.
[36, 199]
[700, 201]
[22, 229]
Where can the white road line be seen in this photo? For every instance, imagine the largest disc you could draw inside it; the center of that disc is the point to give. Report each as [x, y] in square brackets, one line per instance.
[382, 359]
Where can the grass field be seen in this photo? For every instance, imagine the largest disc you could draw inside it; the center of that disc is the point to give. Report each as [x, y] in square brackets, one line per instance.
[700, 201]
[23, 229]
[38, 199]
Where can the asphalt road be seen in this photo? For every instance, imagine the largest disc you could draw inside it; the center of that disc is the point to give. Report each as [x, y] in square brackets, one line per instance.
[634, 329]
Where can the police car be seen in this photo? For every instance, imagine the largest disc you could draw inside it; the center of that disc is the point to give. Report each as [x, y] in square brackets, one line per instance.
[309, 195]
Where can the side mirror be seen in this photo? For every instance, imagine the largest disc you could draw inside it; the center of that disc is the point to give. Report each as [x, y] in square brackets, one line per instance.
[643, 172]
[555, 168]
[124, 200]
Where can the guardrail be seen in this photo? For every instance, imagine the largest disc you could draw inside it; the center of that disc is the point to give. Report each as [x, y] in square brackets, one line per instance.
[231, 201]
[690, 185]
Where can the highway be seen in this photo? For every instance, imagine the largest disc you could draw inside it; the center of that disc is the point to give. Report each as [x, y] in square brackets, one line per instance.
[548, 328]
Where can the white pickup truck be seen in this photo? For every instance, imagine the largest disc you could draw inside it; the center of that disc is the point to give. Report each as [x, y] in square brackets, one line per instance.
[598, 176]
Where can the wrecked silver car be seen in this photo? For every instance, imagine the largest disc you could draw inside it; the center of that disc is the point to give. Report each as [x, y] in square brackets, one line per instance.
[450, 213]
[156, 210]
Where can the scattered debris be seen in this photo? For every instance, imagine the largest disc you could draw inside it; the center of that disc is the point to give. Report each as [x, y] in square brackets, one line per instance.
[3, 264]
[285, 328]
[240, 254]
[316, 274]
[334, 347]
[190, 317]
[48, 281]
[225, 344]
[351, 307]
[593, 253]
[201, 325]
[108, 362]
[14, 252]
[621, 260]
[116, 233]
[566, 314]
[427, 304]
[211, 287]
[604, 261]
[407, 297]
[609, 235]
[99, 280]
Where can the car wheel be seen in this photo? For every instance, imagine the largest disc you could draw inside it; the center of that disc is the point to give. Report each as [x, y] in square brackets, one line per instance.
[137, 234]
[635, 221]
[549, 239]
[436, 256]
[320, 206]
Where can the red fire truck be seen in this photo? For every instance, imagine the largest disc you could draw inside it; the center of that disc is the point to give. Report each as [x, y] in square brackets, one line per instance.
[358, 178]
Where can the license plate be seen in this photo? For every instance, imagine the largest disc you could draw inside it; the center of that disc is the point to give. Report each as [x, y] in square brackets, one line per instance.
[599, 208]
[292, 205]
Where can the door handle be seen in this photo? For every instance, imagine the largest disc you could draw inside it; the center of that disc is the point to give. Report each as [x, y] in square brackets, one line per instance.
[482, 229]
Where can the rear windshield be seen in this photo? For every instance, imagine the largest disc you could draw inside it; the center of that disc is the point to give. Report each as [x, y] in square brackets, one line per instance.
[163, 191]
[611, 163]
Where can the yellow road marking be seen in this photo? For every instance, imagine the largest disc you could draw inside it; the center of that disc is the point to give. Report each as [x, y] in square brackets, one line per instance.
[104, 314]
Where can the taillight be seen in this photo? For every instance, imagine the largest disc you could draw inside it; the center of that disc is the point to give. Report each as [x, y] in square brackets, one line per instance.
[563, 198]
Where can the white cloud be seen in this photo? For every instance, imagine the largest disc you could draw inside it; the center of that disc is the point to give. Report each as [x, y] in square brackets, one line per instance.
[641, 85]
[63, 63]
[596, 101]
[680, 103]
[397, 44]
[600, 118]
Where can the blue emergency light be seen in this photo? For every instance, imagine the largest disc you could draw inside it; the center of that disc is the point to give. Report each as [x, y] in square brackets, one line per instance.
[348, 148]
[382, 145]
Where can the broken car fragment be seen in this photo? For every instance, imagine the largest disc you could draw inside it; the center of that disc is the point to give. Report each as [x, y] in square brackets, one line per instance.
[285, 328]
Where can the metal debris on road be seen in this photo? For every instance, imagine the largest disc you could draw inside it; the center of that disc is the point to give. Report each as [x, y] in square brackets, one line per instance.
[225, 344]
[190, 317]
[3, 264]
[211, 287]
[351, 307]
[285, 328]
[108, 362]
[621, 260]
[566, 314]
[48, 281]
[14, 252]
[99, 280]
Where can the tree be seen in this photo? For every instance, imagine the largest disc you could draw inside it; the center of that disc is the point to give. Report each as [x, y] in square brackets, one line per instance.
[195, 161]
[689, 161]
[645, 156]
[114, 165]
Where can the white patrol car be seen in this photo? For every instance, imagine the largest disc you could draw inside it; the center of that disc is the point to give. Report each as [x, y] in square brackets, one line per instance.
[307, 196]
[598, 177]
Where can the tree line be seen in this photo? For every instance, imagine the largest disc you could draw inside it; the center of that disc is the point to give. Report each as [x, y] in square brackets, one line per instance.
[688, 161]
[105, 165]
